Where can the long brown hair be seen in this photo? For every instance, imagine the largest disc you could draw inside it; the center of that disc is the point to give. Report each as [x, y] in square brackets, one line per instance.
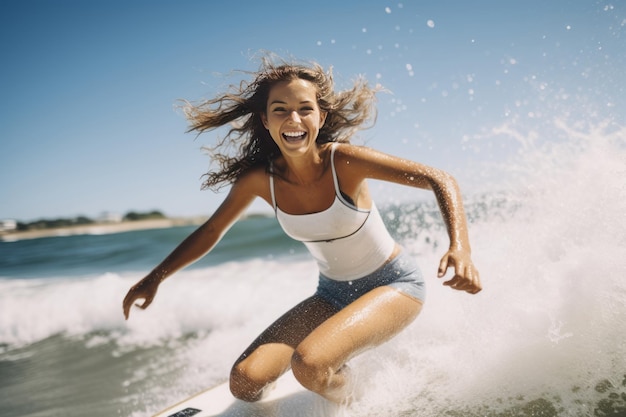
[247, 143]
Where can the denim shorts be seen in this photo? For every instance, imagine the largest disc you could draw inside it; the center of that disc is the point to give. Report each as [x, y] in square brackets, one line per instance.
[401, 273]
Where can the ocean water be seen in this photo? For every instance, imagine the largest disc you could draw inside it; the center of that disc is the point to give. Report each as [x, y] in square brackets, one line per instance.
[546, 337]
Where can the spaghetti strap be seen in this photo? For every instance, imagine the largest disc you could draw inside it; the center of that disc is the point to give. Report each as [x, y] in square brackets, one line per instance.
[332, 166]
[341, 196]
[272, 186]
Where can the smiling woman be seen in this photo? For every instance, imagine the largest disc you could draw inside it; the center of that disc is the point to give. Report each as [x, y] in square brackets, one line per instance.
[294, 153]
[246, 105]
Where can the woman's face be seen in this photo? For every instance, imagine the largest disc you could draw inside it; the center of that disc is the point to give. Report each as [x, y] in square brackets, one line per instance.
[293, 117]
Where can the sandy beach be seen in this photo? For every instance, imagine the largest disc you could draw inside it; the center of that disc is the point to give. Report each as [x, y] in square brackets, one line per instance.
[101, 228]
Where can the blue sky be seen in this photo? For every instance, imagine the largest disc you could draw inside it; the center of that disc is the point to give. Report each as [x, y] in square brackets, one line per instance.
[88, 89]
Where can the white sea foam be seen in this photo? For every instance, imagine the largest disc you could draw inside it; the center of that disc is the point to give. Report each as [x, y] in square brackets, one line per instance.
[195, 300]
[549, 322]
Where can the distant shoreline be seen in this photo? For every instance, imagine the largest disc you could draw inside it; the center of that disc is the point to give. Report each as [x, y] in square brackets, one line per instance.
[101, 228]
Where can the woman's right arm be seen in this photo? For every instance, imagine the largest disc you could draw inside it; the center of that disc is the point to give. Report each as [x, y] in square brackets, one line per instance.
[198, 244]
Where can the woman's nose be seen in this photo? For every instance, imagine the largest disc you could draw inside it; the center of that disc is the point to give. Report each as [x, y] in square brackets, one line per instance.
[294, 117]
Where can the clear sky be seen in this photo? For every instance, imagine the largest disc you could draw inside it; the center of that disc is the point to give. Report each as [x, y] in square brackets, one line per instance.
[88, 89]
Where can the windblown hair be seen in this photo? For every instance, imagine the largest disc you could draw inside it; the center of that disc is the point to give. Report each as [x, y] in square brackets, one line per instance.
[247, 143]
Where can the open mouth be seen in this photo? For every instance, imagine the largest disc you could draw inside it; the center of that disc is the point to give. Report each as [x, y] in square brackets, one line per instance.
[294, 136]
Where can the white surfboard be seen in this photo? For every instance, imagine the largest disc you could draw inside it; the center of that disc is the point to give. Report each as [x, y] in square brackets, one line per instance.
[287, 399]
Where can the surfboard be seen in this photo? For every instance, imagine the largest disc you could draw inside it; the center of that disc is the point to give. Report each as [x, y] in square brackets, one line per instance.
[287, 399]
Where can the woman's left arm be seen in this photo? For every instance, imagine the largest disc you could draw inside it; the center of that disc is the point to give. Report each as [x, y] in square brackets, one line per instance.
[368, 163]
[466, 277]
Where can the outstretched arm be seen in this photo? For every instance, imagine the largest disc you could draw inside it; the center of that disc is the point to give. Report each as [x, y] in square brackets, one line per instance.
[361, 163]
[458, 256]
[195, 246]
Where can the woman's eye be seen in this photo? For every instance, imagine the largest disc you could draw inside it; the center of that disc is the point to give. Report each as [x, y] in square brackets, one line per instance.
[282, 110]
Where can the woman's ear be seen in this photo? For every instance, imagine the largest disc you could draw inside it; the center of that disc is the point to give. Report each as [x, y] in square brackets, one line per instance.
[264, 119]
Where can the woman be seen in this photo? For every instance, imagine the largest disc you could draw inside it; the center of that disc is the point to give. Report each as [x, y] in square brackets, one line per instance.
[293, 132]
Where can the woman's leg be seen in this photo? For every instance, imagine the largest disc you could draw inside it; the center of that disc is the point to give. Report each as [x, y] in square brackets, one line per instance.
[319, 360]
[316, 340]
[269, 356]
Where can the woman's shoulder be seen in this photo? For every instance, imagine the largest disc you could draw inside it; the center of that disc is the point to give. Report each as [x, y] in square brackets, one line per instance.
[252, 175]
[251, 183]
[366, 162]
[349, 152]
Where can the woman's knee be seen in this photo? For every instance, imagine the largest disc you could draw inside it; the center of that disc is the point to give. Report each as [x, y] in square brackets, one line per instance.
[255, 370]
[241, 385]
[245, 383]
[311, 370]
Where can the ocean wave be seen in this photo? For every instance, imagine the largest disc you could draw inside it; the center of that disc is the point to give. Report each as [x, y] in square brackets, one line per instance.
[203, 299]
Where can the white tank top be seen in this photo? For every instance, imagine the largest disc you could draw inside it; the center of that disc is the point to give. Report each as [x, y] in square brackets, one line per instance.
[347, 242]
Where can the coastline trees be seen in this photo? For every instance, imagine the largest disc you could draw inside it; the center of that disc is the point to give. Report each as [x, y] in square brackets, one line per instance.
[83, 220]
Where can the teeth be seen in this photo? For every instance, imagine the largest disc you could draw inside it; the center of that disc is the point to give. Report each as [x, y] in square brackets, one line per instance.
[294, 134]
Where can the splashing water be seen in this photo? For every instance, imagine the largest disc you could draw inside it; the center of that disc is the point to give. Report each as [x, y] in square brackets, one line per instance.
[546, 336]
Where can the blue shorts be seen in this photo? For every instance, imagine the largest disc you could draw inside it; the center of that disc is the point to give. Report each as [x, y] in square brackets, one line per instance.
[401, 273]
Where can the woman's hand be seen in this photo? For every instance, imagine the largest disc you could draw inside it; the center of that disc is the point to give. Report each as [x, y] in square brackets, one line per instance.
[466, 277]
[145, 289]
